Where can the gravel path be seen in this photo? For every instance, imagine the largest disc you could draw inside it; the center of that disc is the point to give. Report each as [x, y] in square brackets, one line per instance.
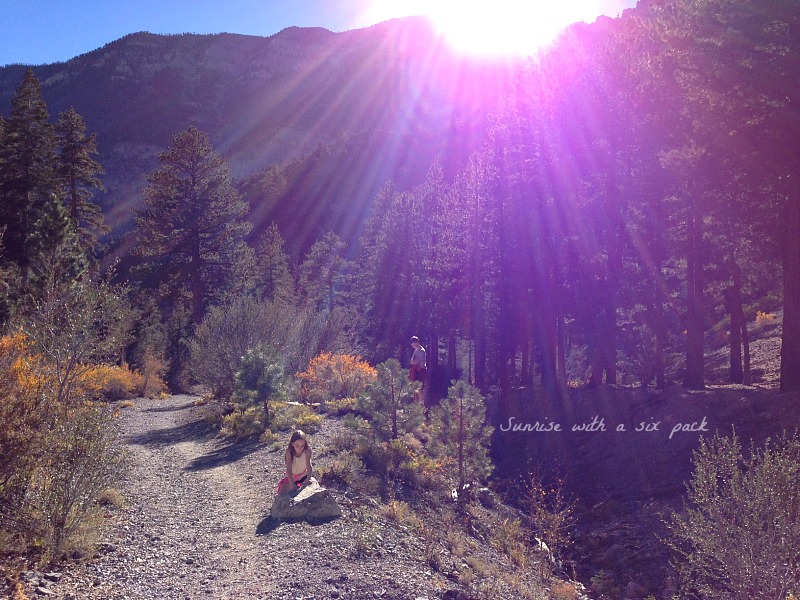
[195, 525]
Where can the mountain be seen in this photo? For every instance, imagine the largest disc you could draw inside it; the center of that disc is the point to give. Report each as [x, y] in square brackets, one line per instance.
[387, 99]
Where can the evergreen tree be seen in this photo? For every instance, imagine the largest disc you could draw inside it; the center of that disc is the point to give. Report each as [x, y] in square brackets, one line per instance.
[390, 402]
[274, 279]
[192, 229]
[78, 173]
[464, 436]
[28, 182]
[320, 272]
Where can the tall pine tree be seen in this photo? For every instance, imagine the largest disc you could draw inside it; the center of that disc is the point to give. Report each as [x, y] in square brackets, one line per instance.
[78, 172]
[28, 180]
[192, 229]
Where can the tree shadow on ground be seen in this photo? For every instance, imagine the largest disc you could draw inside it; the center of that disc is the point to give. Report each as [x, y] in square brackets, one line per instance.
[160, 438]
[165, 409]
[224, 455]
[270, 523]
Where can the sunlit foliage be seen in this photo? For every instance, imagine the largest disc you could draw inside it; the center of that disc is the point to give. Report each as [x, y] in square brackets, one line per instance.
[332, 376]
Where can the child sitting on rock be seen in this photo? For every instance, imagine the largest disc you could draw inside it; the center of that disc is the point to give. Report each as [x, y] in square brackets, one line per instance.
[298, 464]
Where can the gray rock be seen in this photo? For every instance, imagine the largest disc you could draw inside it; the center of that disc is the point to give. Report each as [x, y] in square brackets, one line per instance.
[313, 503]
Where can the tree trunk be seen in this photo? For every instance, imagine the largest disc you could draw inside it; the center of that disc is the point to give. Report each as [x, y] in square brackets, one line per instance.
[659, 330]
[480, 357]
[561, 352]
[452, 363]
[733, 301]
[196, 285]
[433, 363]
[747, 378]
[694, 377]
[734, 310]
[790, 336]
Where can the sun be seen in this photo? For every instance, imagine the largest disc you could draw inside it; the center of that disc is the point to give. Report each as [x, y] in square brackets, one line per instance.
[484, 27]
[505, 26]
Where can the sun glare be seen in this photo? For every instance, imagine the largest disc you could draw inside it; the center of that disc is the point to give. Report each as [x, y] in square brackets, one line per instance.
[499, 26]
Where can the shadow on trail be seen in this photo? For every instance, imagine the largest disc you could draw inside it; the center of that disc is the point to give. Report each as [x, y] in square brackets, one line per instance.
[223, 456]
[165, 409]
[159, 438]
[270, 524]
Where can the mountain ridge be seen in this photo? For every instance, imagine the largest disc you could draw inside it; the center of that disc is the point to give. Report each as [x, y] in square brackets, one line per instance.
[266, 101]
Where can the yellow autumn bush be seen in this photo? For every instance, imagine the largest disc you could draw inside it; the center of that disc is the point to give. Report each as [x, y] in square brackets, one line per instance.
[21, 411]
[110, 382]
[331, 376]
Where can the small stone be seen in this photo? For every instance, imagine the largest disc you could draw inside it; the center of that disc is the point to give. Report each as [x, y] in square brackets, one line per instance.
[43, 591]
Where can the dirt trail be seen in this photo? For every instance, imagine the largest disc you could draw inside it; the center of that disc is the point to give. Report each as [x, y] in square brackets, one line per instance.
[196, 525]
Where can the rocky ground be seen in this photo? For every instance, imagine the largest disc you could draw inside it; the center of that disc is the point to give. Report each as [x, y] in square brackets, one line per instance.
[195, 524]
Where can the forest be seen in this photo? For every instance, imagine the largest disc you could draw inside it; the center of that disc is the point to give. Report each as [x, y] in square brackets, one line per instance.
[636, 194]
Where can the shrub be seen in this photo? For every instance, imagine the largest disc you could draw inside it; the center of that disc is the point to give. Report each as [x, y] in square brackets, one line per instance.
[334, 376]
[551, 513]
[289, 416]
[59, 451]
[398, 511]
[228, 332]
[258, 379]
[81, 460]
[509, 537]
[78, 324]
[737, 535]
[764, 319]
[111, 497]
[340, 406]
[564, 590]
[23, 415]
[243, 423]
[154, 368]
[110, 382]
[389, 403]
[345, 470]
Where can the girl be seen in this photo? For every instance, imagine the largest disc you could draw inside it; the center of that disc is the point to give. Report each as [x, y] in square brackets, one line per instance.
[298, 464]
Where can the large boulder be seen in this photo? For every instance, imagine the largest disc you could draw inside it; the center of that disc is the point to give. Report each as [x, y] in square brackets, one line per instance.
[312, 503]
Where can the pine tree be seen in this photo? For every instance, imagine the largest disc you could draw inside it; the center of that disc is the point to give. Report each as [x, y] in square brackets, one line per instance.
[464, 436]
[28, 183]
[192, 229]
[273, 278]
[390, 402]
[78, 173]
[320, 272]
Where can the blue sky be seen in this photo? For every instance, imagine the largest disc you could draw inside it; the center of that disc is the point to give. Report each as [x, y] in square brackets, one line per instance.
[45, 31]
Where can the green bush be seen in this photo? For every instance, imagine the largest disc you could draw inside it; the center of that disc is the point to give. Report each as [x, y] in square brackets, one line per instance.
[290, 416]
[243, 423]
[81, 461]
[389, 403]
[258, 379]
[738, 536]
